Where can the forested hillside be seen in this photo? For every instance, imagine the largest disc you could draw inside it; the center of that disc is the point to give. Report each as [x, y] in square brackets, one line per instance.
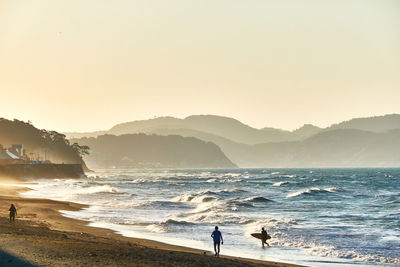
[39, 143]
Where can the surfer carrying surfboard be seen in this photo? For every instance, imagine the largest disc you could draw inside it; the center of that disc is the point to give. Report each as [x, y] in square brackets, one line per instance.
[265, 236]
[217, 237]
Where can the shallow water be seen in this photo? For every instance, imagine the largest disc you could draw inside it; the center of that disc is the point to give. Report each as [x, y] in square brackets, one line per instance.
[316, 217]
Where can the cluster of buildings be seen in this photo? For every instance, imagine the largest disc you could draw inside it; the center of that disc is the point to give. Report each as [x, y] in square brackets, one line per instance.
[13, 155]
[16, 154]
[15, 163]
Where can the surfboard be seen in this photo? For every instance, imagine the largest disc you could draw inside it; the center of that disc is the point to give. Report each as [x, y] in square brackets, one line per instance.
[259, 236]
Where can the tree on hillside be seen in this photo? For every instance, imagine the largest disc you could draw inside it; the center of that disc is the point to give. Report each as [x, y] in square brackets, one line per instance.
[55, 144]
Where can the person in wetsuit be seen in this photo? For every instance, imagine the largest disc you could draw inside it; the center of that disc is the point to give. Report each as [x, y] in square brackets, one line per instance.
[265, 236]
[13, 213]
[217, 238]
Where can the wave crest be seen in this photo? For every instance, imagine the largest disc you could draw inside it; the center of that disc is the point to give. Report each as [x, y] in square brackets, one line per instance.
[193, 198]
[313, 191]
[258, 199]
[97, 189]
[280, 183]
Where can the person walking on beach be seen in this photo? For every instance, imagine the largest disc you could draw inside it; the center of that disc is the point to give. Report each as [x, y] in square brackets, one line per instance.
[265, 236]
[217, 238]
[13, 213]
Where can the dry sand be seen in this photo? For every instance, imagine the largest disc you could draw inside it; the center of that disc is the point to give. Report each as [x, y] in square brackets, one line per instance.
[41, 236]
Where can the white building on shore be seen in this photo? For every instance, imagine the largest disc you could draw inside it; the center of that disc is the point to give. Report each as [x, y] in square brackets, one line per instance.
[6, 157]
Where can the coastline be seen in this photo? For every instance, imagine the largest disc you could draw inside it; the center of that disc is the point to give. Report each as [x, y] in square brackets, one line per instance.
[42, 236]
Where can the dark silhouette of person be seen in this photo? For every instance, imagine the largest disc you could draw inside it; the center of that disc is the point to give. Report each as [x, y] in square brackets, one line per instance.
[13, 213]
[265, 236]
[217, 237]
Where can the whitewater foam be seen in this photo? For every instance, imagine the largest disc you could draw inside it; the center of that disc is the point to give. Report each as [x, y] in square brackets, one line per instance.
[280, 183]
[97, 189]
[313, 190]
[193, 198]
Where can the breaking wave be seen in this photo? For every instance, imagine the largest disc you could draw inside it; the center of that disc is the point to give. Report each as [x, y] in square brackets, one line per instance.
[193, 198]
[97, 189]
[258, 199]
[313, 191]
[280, 183]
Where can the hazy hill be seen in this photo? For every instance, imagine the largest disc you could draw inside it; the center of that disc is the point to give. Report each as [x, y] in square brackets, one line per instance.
[216, 125]
[336, 148]
[239, 153]
[140, 150]
[71, 135]
[145, 125]
[51, 144]
[277, 134]
[229, 128]
[307, 130]
[372, 124]
[222, 126]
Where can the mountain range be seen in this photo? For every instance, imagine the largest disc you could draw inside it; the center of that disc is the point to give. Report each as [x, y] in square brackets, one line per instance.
[229, 128]
[358, 142]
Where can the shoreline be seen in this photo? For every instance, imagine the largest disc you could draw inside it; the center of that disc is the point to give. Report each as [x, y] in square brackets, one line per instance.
[53, 238]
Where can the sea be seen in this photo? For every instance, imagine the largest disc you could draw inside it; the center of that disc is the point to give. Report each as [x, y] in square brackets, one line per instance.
[316, 217]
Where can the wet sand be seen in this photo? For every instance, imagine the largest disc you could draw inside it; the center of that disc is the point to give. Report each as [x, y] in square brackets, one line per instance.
[41, 236]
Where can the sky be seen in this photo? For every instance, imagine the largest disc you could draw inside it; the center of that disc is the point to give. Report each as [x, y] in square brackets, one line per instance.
[83, 65]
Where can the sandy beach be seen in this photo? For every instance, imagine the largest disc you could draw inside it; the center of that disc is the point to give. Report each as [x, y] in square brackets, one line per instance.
[41, 236]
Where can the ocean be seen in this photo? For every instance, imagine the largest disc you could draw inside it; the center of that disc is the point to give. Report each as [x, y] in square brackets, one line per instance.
[316, 217]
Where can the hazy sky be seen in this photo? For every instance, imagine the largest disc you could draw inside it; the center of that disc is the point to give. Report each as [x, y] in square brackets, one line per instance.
[87, 64]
